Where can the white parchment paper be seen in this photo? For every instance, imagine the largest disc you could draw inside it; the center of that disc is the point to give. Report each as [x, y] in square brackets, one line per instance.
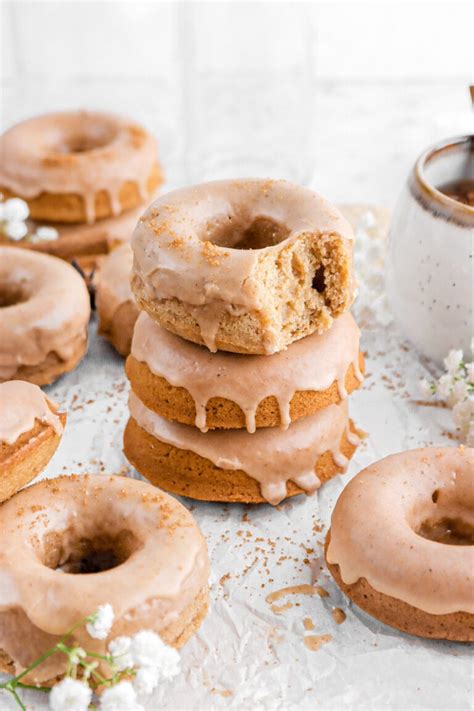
[248, 655]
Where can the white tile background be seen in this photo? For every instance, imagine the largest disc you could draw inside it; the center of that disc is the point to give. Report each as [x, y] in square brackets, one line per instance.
[341, 95]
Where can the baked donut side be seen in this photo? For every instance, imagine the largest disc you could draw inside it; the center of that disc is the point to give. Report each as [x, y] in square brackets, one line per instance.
[115, 304]
[247, 266]
[76, 241]
[121, 542]
[234, 466]
[30, 431]
[185, 382]
[401, 543]
[453, 626]
[78, 166]
[44, 314]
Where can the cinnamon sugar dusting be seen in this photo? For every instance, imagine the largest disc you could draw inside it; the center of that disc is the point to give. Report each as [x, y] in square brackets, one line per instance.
[315, 642]
[159, 552]
[338, 615]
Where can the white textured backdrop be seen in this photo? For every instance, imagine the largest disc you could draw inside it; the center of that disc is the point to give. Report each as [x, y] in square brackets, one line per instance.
[341, 95]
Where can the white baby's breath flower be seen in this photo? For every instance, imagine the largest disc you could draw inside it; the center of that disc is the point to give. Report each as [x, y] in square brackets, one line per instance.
[119, 648]
[460, 391]
[76, 655]
[453, 361]
[121, 697]
[15, 230]
[100, 623]
[70, 695]
[445, 386]
[146, 680]
[456, 389]
[366, 220]
[470, 373]
[463, 414]
[149, 650]
[427, 389]
[45, 234]
[15, 210]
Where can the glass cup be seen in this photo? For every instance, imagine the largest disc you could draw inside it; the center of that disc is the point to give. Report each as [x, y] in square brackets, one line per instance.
[248, 90]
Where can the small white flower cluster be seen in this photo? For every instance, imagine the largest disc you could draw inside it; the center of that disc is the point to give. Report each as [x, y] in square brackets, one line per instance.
[13, 216]
[369, 263]
[144, 657]
[150, 658]
[456, 389]
[100, 623]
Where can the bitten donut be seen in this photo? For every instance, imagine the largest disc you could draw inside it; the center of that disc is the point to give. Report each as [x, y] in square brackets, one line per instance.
[116, 306]
[44, 313]
[76, 542]
[78, 166]
[243, 265]
[185, 382]
[233, 465]
[401, 543]
[30, 431]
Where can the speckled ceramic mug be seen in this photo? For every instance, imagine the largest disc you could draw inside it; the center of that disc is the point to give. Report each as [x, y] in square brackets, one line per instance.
[430, 263]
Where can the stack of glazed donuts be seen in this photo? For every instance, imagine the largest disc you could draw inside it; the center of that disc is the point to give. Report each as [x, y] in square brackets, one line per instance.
[244, 353]
[88, 174]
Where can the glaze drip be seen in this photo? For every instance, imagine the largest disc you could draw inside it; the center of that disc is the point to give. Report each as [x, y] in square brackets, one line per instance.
[21, 404]
[164, 568]
[179, 253]
[377, 529]
[270, 457]
[50, 314]
[311, 364]
[79, 153]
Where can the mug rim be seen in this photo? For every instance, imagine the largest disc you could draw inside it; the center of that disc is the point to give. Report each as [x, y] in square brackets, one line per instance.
[427, 188]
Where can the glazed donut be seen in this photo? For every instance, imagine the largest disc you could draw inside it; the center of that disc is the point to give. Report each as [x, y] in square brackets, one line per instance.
[115, 304]
[401, 543]
[30, 431]
[121, 542]
[44, 312]
[78, 166]
[184, 382]
[234, 466]
[243, 265]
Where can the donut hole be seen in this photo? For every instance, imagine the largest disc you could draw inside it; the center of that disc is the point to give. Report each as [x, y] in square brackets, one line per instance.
[87, 137]
[451, 531]
[12, 294]
[447, 517]
[87, 555]
[260, 232]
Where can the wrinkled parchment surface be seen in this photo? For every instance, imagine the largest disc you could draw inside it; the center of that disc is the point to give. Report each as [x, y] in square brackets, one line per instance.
[248, 655]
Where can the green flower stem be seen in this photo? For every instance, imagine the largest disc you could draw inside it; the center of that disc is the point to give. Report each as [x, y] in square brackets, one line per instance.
[49, 653]
[16, 697]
